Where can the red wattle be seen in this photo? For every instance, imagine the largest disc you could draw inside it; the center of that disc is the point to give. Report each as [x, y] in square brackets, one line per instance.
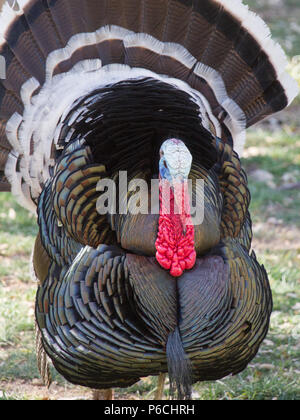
[175, 242]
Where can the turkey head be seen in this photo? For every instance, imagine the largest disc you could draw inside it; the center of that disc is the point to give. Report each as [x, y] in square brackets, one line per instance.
[175, 243]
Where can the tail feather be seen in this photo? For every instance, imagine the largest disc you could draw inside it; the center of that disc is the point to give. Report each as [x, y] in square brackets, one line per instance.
[176, 21]
[43, 27]
[152, 18]
[200, 29]
[69, 18]
[25, 48]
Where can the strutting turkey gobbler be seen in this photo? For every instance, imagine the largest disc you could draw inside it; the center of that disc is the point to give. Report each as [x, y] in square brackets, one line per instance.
[157, 90]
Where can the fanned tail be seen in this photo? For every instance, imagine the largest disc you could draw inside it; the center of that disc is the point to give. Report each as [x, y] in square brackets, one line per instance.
[56, 51]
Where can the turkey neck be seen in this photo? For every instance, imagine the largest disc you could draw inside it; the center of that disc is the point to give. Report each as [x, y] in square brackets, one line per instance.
[175, 242]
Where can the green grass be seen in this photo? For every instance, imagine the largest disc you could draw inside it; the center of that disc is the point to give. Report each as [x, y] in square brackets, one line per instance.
[277, 153]
[283, 17]
[17, 291]
[17, 232]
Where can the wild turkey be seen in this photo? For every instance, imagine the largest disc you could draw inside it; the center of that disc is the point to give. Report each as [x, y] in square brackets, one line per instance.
[157, 89]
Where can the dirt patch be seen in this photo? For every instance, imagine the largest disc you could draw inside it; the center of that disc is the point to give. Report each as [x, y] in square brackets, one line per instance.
[275, 236]
[34, 389]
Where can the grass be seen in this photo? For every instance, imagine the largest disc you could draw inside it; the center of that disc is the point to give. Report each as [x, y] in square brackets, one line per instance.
[17, 232]
[283, 17]
[275, 371]
[278, 153]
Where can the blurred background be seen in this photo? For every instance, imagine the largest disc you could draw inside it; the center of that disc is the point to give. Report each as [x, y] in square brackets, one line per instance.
[272, 161]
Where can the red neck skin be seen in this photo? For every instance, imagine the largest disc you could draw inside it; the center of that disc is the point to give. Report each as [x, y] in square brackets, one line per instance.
[175, 242]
